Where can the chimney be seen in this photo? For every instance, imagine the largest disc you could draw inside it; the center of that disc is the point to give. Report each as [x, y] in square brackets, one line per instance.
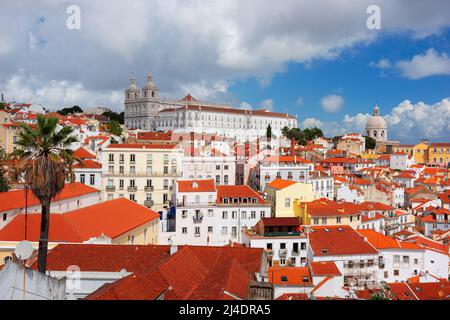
[173, 247]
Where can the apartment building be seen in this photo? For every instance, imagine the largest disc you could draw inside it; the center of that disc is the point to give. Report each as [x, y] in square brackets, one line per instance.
[210, 214]
[280, 167]
[282, 238]
[144, 173]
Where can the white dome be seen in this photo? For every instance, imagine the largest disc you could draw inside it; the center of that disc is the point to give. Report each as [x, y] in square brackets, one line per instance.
[376, 122]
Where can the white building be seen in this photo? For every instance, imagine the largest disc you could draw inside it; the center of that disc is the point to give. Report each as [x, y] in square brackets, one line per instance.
[280, 167]
[284, 241]
[207, 214]
[322, 184]
[401, 260]
[73, 196]
[145, 110]
[200, 164]
[376, 126]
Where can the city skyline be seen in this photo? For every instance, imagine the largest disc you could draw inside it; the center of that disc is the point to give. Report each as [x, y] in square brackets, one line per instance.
[292, 66]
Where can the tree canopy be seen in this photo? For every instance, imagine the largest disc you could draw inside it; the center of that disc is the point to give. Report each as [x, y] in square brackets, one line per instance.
[119, 117]
[72, 110]
[302, 136]
[114, 127]
[370, 143]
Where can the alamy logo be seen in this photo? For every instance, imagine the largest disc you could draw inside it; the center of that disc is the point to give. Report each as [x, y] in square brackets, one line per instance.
[374, 20]
[73, 21]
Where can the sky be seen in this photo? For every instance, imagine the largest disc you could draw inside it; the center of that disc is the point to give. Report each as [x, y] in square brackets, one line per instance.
[314, 59]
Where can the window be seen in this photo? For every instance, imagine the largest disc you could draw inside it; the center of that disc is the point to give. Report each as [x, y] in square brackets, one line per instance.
[405, 259]
[5, 216]
[121, 170]
[132, 157]
[166, 170]
[233, 232]
[396, 259]
[224, 231]
[316, 221]
[282, 262]
[217, 167]
[111, 157]
[338, 219]
[132, 197]
[210, 229]
[184, 213]
[92, 179]
[210, 212]
[82, 178]
[149, 158]
[217, 179]
[287, 202]
[184, 230]
[396, 272]
[253, 214]
[121, 157]
[197, 231]
[303, 246]
[224, 215]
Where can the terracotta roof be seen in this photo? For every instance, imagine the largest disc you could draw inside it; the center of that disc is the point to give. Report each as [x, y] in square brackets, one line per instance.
[381, 241]
[155, 136]
[324, 268]
[141, 146]
[280, 221]
[196, 185]
[88, 164]
[16, 199]
[82, 153]
[80, 225]
[338, 240]
[212, 272]
[239, 191]
[326, 208]
[280, 184]
[105, 258]
[263, 113]
[286, 159]
[290, 275]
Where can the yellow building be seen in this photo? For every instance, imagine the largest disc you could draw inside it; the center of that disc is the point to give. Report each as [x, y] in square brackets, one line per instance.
[352, 144]
[420, 152]
[322, 212]
[8, 136]
[282, 194]
[144, 173]
[439, 153]
[119, 221]
[403, 148]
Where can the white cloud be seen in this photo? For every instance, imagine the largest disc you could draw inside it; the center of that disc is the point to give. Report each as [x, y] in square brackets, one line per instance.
[58, 93]
[332, 103]
[407, 122]
[381, 64]
[192, 44]
[424, 65]
[245, 105]
[268, 104]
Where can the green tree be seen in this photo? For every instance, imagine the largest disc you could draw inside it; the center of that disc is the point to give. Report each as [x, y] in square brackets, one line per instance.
[46, 161]
[66, 111]
[119, 117]
[114, 128]
[269, 132]
[4, 183]
[370, 143]
[2, 105]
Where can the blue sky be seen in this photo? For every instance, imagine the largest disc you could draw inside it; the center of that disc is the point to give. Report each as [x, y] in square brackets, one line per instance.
[248, 53]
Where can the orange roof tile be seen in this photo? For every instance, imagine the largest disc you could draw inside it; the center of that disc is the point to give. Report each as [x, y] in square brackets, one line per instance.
[16, 199]
[324, 268]
[196, 185]
[290, 275]
[82, 153]
[106, 218]
[280, 184]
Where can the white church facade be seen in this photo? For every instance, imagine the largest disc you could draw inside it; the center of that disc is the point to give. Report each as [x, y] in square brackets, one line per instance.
[146, 111]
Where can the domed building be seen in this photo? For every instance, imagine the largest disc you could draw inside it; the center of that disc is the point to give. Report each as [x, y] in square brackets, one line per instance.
[376, 126]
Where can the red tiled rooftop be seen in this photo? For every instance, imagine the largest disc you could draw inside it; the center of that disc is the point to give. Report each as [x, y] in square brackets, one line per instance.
[16, 199]
[111, 218]
[324, 268]
[196, 185]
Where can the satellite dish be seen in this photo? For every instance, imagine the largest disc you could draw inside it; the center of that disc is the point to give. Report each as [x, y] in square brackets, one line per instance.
[24, 250]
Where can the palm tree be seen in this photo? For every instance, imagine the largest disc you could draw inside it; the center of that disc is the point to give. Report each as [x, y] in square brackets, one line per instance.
[46, 162]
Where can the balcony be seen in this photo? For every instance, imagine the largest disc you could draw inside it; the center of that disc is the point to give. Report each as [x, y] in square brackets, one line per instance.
[110, 188]
[149, 203]
[149, 188]
[295, 253]
[132, 189]
[269, 252]
[282, 253]
[198, 219]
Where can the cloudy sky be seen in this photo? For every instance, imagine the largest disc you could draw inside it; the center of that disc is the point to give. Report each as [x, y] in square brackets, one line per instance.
[313, 58]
